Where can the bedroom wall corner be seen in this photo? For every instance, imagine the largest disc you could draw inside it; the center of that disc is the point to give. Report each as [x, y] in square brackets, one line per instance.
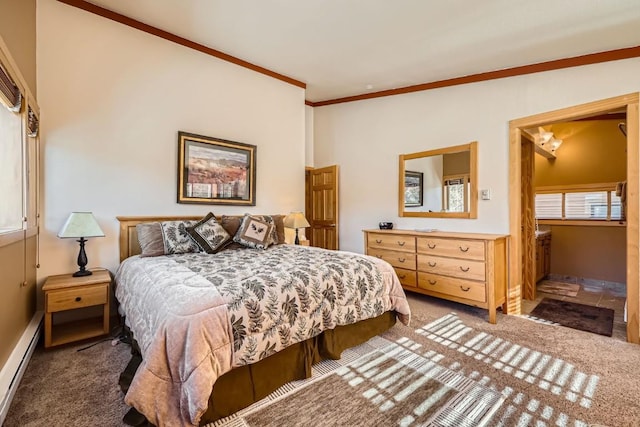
[113, 100]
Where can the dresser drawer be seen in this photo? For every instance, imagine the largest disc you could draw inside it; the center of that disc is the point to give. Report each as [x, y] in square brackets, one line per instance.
[407, 277]
[462, 268]
[403, 260]
[394, 242]
[468, 249]
[67, 299]
[452, 286]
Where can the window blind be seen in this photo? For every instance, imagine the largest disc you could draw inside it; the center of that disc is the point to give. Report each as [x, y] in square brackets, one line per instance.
[10, 94]
[549, 206]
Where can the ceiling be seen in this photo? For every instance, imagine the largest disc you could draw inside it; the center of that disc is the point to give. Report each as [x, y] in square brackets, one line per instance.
[341, 48]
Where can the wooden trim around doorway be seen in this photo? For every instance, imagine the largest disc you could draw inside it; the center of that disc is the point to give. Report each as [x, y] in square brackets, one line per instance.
[628, 102]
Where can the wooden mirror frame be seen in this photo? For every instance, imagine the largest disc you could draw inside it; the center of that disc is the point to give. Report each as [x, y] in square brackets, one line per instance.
[472, 147]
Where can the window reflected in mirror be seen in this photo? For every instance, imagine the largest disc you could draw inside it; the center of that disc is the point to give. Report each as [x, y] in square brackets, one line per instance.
[439, 183]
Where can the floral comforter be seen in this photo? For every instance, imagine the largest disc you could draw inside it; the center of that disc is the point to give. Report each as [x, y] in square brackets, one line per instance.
[196, 316]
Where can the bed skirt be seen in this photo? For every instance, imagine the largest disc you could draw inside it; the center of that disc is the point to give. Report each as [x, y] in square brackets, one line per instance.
[245, 385]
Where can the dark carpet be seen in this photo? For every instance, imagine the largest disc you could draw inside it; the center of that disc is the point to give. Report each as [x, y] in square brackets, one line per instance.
[598, 320]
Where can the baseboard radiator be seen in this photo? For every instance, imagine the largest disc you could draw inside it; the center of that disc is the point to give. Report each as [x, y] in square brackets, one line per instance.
[13, 370]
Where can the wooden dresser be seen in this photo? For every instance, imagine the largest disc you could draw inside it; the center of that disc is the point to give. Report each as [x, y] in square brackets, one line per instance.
[469, 268]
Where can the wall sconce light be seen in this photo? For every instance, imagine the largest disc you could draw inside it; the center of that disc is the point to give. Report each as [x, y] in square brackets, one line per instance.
[81, 225]
[296, 220]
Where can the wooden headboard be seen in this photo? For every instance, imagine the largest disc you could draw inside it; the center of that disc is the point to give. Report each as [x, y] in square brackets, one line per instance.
[129, 245]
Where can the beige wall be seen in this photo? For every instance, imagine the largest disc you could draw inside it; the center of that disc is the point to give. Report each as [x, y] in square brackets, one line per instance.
[592, 152]
[589, 252]
[18, 30]
[17, 260]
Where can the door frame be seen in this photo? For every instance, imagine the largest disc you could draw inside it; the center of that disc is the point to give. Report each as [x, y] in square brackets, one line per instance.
[628, 103]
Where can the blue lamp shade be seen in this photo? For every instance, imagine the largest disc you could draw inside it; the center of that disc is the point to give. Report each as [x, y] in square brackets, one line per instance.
[81, 225]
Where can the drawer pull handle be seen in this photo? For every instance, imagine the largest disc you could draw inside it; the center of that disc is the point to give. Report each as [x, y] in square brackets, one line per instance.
[402, 259]
[464, 269]
[430, 246]
[463, 289]
[432, 264]
[464, 249]
[432, 282]
[401, 276]
[401, 243]
[378, 241]
[78, 299]
[379, 256]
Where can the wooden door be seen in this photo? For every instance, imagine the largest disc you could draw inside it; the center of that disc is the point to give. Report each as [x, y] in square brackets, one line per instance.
[323, 202]
[529, 253]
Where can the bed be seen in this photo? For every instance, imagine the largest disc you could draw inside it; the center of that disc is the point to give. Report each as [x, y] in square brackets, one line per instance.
[217, 332]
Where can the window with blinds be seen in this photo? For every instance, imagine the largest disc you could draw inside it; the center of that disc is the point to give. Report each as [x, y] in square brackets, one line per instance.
[579, 205]
[11, 155]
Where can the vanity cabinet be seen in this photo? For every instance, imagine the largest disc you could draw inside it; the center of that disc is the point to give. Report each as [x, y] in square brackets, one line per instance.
[543, 255]
[469, 268]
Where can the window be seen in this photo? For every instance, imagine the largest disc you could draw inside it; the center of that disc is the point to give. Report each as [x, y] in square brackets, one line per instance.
[455, 190]
[573, 204]
[11, 171]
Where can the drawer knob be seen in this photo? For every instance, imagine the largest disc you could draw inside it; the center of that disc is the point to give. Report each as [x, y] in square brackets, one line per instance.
[401, 243]
[402, 259]
[463, 288]
[378, 241]
[402, 276]
[432, 264]
[432, 282]
[379, 256]
[78, 299]
[464, 249]
[431, 246]
[464, 269]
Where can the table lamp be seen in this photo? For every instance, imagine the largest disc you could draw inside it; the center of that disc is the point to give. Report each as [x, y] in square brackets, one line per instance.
[296, 220]
[81, 225]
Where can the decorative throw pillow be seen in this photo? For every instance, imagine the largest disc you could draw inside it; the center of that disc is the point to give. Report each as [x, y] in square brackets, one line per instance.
[209, 234]
[278, 220]
[176, 239]
[150, 239]
[231, 224]
[255, 232]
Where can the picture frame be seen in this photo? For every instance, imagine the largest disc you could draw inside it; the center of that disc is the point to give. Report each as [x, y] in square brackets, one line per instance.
[215, 171]
[413, 188]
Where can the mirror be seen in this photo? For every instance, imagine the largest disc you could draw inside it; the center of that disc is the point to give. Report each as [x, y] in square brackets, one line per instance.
[439, 183]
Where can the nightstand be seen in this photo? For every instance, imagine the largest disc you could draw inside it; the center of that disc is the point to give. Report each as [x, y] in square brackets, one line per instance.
[64, 293]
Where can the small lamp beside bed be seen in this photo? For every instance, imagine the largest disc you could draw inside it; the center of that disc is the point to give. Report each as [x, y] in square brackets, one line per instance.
[81, 225]
[296, 220]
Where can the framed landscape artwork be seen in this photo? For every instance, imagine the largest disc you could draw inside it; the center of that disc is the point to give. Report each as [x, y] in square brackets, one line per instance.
[215, 171]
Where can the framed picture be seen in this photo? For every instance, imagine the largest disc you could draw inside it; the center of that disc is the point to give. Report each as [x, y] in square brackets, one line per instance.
[215, 171]
[413, 188]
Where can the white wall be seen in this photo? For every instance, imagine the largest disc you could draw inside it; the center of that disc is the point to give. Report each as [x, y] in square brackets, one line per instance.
[113, 100]
[374, 132]
[308, 136]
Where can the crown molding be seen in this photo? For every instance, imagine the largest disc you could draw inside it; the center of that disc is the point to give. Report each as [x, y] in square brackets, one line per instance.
[130, 22]
[575, 61]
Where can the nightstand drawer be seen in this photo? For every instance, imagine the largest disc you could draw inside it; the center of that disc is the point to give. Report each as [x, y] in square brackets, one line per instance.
[68, 299]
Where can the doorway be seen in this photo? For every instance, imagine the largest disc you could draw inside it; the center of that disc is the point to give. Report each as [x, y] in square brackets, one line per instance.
[520, 199]
[321, 206]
